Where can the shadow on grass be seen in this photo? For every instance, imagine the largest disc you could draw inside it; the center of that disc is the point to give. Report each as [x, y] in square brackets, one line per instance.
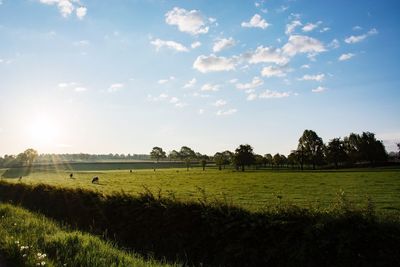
[17, 172]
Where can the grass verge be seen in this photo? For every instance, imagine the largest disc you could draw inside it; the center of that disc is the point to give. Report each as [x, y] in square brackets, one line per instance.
[30, 239]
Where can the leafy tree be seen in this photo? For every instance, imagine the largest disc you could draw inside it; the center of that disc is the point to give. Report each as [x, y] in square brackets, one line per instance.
[277, 160]
[203, 160]
[283, 160]
[157, 153]
[311, 148]
[244, 156]
[228, 157]
[398, 146]
[187, 154]
[269, 159]
[372, 150]
[292, 159]
[336, 151]
[259, 160]
[219, 160]
[174, 155]
[352, 148]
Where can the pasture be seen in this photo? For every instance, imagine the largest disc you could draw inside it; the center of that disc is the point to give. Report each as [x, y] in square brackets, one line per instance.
[253, 190]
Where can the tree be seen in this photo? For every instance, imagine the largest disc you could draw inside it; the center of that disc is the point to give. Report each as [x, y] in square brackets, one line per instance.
[352, 148]
[336, 151]
[398, 146]
[269, 159]
[228, 157]
[292, 159]
[283, 160]
[244, 156]
[219, 160]
[311, 148]
[187, 154]
[157, 153]
[203, 160]
[370, 149]
[173, 155]
[259, 161]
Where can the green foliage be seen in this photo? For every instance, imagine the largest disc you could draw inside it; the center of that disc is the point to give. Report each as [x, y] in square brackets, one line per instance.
[213, 233]
[29, 239]
[244, 156]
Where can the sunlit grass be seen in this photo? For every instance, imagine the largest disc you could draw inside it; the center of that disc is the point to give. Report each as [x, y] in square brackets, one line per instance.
[251, 189]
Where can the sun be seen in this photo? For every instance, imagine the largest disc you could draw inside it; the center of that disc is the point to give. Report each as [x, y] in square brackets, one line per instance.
[43, 130]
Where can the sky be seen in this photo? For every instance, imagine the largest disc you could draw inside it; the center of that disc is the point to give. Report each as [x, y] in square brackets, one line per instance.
[122, 76]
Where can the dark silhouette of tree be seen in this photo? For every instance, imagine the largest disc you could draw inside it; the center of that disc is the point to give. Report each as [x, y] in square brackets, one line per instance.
[187, 154]
[283, 160]
[157, 153]
[269, 159]
[244, 156]
[352, 148]
[203, 159]
[277, 160]
[228, 157]
[311, 148]
[259, 161]
[292, 159]
[398, 146]
[372, 150]
[336, 152]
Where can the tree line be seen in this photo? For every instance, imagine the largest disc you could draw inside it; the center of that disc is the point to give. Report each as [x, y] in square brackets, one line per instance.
[311, 152]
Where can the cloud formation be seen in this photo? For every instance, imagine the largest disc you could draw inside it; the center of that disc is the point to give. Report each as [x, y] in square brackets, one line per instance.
[222, 44]
[67, 7]
[358, 38]
[158, 43]
[256, 82]
[345, 57]
[191, 22]
[213, 63]
[256, 22]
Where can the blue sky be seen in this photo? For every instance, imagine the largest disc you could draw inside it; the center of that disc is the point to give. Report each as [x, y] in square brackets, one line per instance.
[123, 76]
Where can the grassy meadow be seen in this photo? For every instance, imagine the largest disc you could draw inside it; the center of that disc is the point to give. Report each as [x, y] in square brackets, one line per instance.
[251, 189]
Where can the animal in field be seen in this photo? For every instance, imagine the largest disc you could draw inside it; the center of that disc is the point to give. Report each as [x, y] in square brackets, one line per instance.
[71, 175]
[130, 171]
[95, 180]
[20, 178]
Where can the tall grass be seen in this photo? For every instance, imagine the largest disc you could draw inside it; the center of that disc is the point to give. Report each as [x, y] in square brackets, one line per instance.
[218, 234]
[29, 239]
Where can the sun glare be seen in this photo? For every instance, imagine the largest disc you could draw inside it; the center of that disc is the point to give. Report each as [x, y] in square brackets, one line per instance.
[43, 131]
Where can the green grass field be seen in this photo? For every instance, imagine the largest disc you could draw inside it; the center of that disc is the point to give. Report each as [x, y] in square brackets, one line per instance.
[251, 189]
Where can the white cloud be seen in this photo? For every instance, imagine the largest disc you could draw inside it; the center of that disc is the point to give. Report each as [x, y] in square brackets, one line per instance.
[317, 77]
[66, 7]
[210, 87]
[174, 100]
[226, 112]
[191, 22]
[256, 22]
[266, 55]
[195, 44]
[319, 89]
[256, 82]
[223, 43]
[334, 44]
[81, 12]
[347, 56]
[233, 80]
[311, 26]
[251, 97]
[190, 83]
[357, 28]
[200, 112]
[271, 71]
[164, 81]
[302, 44]
[158, 43]
[220, 103]
[213, 63]
[115, 87]
[274, 94]
[292, 26]
[358, 38]
[305, 66]
[325, 29]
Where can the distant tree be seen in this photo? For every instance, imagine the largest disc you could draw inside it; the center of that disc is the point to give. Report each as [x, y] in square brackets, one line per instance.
[371, 149]
[228, 157]
[352, 148]
[157, 153]
[277, 160]
[283, 160]
[244, 156]
[259, 161]
[311, 148]
[173, 155]
[269, 159]
[203, 160]
[292, 159]
[336, 151]
[219, 160]
[187, 154]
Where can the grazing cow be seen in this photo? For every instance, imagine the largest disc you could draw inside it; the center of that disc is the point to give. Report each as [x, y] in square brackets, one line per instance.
[20, 178]
[71, 175]
[95, 180]
[130, 171]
